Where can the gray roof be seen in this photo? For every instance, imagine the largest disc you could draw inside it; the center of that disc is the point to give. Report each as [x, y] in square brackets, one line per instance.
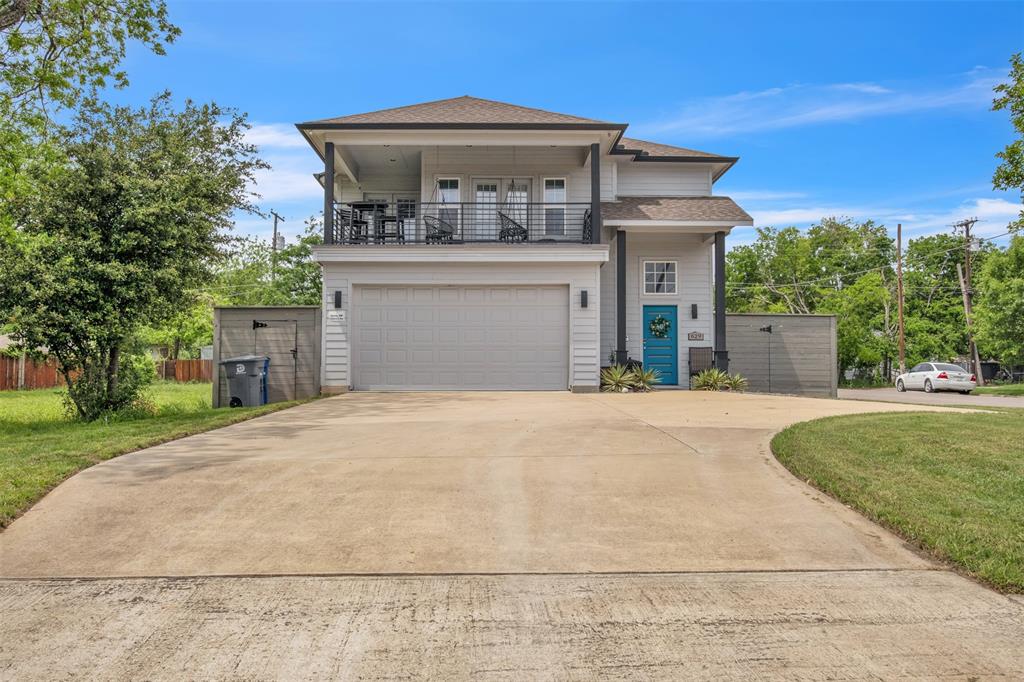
[630, 144]
[712, 209]
[463, 110]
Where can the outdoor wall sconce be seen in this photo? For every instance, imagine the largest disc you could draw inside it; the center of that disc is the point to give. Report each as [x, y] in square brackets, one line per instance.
[583, 298]
[693, 311]
[337, 298]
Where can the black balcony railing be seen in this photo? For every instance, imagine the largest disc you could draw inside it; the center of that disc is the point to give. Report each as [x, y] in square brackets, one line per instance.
[415, 222]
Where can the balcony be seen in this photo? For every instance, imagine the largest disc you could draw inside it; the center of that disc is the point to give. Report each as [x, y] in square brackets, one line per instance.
[416, 222]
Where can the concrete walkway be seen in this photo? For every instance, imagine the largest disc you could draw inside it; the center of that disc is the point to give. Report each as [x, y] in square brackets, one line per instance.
[891, 395]
[485, 535]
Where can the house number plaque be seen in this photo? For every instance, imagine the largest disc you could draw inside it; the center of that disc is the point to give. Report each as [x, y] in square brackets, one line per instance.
[695, 336]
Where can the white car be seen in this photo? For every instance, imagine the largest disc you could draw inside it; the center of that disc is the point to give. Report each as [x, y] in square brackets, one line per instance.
[936, 376]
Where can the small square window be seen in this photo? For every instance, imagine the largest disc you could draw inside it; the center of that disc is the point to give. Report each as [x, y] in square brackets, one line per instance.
[659, 277]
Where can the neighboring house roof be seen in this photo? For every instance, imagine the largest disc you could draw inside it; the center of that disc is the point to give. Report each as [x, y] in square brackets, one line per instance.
[628, 145]
[711, 209]
[462, 111]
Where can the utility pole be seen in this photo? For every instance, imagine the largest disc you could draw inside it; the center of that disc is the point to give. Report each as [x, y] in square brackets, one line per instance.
[964, 274]
[273, 246]
[899, 297]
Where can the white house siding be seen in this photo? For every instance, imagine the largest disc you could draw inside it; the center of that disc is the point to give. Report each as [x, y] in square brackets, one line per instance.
[647, 179]
[695, 285]
[504, 163]
[583, 322]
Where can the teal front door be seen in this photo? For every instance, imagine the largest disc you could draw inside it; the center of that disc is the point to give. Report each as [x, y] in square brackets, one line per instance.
[661, 350]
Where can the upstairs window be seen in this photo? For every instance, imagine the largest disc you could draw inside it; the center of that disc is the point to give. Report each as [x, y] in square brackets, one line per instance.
[660, 277]
[448, 190]
[554, 206]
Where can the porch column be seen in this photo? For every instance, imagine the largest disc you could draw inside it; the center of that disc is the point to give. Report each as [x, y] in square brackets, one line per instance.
[620, 298]
[595, 193]
[328, 193]
[721, 349]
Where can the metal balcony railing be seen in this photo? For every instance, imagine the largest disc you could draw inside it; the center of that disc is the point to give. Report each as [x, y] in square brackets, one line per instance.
[415, 222]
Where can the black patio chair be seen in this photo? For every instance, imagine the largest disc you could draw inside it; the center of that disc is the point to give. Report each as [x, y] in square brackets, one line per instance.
[511, 231]
[438, 231]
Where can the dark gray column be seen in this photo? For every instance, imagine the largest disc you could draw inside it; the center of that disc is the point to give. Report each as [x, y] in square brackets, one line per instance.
[328, 193]
[620, 297]
[595, 193]
[721, 348]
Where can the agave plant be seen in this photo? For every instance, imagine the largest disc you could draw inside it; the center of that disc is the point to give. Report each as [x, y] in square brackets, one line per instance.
[738, 383]
[712, 380]
[645, 379]
[616, 379]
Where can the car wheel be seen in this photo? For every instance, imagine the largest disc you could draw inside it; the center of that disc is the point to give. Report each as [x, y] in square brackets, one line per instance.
[899, 386]
[928, 386]
[965, 392]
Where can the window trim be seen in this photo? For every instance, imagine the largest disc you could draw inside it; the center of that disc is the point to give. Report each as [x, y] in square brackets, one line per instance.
[643, 278]
[555, 204]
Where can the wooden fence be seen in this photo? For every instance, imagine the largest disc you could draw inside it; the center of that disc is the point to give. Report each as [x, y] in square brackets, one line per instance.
[23, 372]
[184, 371]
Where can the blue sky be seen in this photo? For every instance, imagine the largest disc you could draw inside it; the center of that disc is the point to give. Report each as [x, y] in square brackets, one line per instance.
[869, 110]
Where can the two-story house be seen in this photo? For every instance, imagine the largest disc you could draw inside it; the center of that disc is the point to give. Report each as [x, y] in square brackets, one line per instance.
[472, 244]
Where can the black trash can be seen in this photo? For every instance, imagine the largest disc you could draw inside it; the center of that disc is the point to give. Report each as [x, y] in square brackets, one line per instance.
[247, 380]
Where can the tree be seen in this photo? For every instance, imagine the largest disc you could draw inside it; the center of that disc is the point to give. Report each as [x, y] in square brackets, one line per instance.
[1009, 174]
[250, 275]
[184, 333]
[123, 234]
[999, 310]
[55, 52]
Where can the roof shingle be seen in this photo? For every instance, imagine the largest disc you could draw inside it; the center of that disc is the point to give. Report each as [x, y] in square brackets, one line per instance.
[466, 110]
[658, 149]
[714, 209]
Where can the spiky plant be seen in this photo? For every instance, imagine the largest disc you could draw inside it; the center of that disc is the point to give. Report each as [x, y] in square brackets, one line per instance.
[738, 383]
[645, 379]
[616, 379]
[711, 380]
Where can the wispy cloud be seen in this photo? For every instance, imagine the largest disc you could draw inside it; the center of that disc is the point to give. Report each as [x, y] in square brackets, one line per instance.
[798, 105]
[276, 135]
[993, 213]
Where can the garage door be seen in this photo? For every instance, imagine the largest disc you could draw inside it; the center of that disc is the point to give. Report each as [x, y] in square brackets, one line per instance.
[459, 338]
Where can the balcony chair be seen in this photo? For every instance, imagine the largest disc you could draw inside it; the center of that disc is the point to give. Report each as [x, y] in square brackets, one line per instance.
[511, 231]
[438, 231]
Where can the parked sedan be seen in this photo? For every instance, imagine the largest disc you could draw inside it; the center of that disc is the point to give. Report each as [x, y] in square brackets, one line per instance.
[936, 376]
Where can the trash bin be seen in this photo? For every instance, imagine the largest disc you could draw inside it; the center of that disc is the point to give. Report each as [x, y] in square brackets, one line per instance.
[247, 379]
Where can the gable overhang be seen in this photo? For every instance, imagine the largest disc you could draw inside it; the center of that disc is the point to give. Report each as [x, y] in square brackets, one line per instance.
[677, 226]
[719, 164]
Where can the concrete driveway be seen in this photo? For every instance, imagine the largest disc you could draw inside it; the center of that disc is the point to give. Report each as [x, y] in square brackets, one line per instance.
[891, 395]
[487, 535]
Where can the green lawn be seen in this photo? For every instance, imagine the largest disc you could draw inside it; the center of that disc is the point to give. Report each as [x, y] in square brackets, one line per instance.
[39, 447]
[1005, 389]
[951, 483]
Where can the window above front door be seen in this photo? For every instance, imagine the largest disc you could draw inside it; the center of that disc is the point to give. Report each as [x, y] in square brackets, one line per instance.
[660, 277]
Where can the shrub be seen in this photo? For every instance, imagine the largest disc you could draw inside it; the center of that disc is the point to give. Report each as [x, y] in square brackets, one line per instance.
[616, 379]
[712, 380]
[645, 379]
[737, 383]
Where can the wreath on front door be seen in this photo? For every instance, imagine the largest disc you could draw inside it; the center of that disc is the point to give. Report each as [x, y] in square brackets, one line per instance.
[659, 327]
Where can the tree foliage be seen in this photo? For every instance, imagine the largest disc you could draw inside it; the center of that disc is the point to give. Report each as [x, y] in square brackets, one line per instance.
[999, 313]
[1009, 175]
[121, 235]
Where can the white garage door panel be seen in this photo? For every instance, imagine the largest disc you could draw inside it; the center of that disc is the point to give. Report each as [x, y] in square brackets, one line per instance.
[449, 338]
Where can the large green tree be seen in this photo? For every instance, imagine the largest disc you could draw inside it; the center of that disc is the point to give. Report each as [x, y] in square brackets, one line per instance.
[1009, 174]
[999, 311]
[125, 233]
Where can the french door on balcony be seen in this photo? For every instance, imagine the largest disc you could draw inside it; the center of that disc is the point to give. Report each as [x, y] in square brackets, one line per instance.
[510, 196]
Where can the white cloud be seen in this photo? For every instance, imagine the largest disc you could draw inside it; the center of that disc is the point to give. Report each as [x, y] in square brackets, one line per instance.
[993, 213]
[276, 135]
[801, 105]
